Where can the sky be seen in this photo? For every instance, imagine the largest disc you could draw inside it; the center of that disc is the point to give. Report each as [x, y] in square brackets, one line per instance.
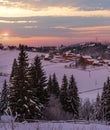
[47, 22]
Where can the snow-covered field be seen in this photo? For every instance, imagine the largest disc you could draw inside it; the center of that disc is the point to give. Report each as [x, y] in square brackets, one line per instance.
[86, 80]
[53, 126]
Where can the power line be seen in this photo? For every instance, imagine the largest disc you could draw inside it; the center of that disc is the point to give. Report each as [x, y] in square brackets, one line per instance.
[87, 91]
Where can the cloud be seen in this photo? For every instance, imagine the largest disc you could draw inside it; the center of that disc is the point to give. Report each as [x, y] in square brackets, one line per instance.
[69, 19]
[30, 27]
[36, 4]
[93, 4]
[54, 26]
[52, 11]
[17, 21]
[27, 8]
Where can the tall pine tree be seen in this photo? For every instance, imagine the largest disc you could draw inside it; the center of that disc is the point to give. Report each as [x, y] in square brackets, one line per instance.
[4, 97]
[49, 86]
[55, 86]
[63, 93]
[38, 81]
[105, 100]
[14, 69]
[97, 112]
[21, 98]
[73, 98]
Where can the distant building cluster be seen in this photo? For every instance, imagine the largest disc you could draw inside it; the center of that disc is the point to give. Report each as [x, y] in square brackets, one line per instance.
[95, 54]
[81, 59]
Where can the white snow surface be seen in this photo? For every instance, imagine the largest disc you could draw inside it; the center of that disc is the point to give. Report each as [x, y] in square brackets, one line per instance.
[86, 80]
[53, 126]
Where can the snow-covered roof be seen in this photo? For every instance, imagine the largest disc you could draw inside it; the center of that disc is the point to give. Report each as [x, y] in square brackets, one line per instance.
[106, 61]
[96, 62]
[68, 52]
[47, 56]
[87, 57]
[90, 60]
[78, 55]
[91, 45]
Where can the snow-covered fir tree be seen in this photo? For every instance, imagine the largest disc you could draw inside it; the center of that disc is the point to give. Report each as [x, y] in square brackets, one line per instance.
[73, 98]
[105, 100]
[86, 110]
[63, 93]
[21, 99]
[39, 81]
[4, 98]
[97, 111]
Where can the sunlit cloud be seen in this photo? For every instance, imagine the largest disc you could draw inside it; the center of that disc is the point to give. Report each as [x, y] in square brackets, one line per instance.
[30, 27]
[82, 4]
[95, 28]
[51, 11]
[84, 29]
[59, 27]
[7, 21]
[24, 8]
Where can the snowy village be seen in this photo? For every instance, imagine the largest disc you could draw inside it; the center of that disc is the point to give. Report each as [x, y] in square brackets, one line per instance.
[54, 64]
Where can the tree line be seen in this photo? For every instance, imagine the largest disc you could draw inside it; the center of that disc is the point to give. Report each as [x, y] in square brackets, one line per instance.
[33, 96]
[29, 92]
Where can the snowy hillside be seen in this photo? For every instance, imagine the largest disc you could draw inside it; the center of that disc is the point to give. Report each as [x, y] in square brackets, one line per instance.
[86, 80]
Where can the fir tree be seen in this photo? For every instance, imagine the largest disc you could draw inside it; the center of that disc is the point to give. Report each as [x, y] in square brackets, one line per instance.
[73, 98]
[105, 100]
[55, 86]
[38, 81]
[21, 98]
[98, 108]
[49, 85]
[63, 93]
[14, 69]
[4, 98]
